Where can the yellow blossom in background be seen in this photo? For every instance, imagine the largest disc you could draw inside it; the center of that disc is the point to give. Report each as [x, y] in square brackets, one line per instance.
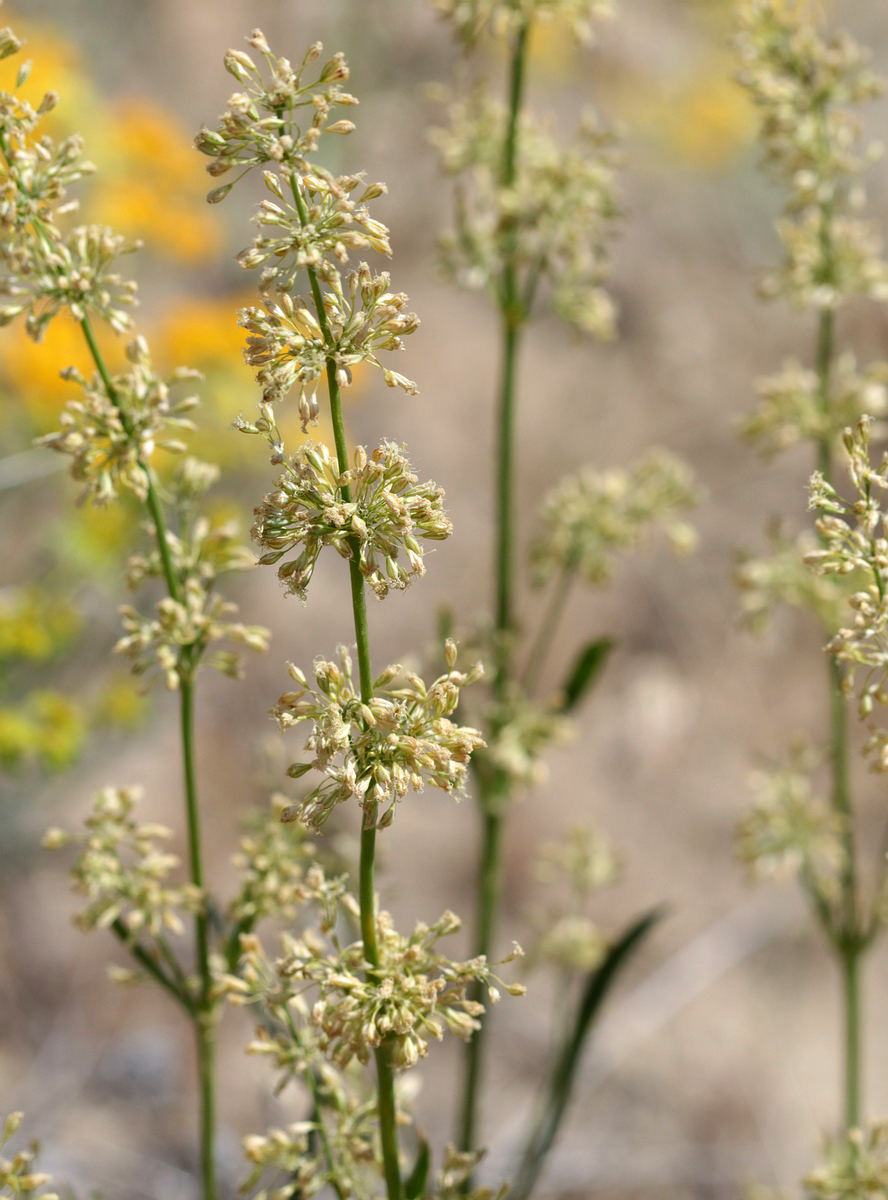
[122, 705]
[150, 187]
[703, 119]
[30, 372]
[57, 66]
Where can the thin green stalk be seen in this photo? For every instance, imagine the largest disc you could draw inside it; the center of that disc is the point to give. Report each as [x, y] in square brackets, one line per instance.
[551, 619]
[388, 1130]
[203, 1016]
[851, 963]
[151, 499]
[151, 965]
[513, 315]
[205, 1024]
[850, 945]
[488, 905]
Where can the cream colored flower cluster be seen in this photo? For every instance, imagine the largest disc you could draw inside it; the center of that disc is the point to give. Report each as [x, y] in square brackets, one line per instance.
[279, 118]
[68, 272]
[183, 629]
[792, 410]
[790, 831]
[553, 222]
[110, 441]
[854, 534]
[387, 514]
[806, 84]
[402, 739]
[471, 18]
[412, 996]
[288, 345]
[590, 517]
[123, 872]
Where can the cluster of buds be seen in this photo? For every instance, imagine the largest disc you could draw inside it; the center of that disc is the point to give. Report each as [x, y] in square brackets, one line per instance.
[791, 407]
[590, 517]
[274, 877]
[111, 441]
[326, 221]
[291, 349]
[73, 272]
[855, 1164]
[178, 635]
[522, 732]
[553, 222]
[412, 995]
[854, 537]
[803, 82]
[123, 872]
[17, 1175]
[375, 752]
[782, 578]
[279, 118]
[792, 832]
[386, 514]
[471, 18]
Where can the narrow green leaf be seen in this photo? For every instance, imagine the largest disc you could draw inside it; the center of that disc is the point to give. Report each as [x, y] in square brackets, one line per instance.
[567, 1061]
[587, 666]
[414, 1186]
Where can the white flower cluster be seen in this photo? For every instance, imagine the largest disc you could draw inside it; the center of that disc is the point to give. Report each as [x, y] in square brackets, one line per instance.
[803, 81]
[553, 223]
[471, 18]
[178, 637]
[122, 871]
[74, 271]
[111, 441]
[522, 731]
[375, 752]
[291, 350]
[329, 223]
[854, 534]
[783, 578]
[789, 831]
[386, 515]
[413, 994]
[590, 517]
[792, 409]
[278, 118]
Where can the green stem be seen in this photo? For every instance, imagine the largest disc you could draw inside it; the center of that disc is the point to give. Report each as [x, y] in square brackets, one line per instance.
[151, 499]
[388, 1130]
[147, 960]
[851, 963]
[551, 619]
[489, 886]
[851, 946]
[513, 315]
[203, 1015]
[204, 1025]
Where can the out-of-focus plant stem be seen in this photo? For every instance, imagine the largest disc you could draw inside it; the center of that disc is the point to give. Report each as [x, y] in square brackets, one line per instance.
[494, 786]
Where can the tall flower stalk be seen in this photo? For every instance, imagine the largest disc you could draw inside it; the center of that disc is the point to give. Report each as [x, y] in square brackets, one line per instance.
[806, 84]
[375, 738]
[533, 222]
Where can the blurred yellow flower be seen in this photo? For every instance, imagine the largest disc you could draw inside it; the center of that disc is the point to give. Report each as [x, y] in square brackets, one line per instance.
[151, 185]
[29, 372]
[703, 120]
[57, 66]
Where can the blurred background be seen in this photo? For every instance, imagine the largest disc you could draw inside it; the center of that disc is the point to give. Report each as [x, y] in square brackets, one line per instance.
[717, 1063]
